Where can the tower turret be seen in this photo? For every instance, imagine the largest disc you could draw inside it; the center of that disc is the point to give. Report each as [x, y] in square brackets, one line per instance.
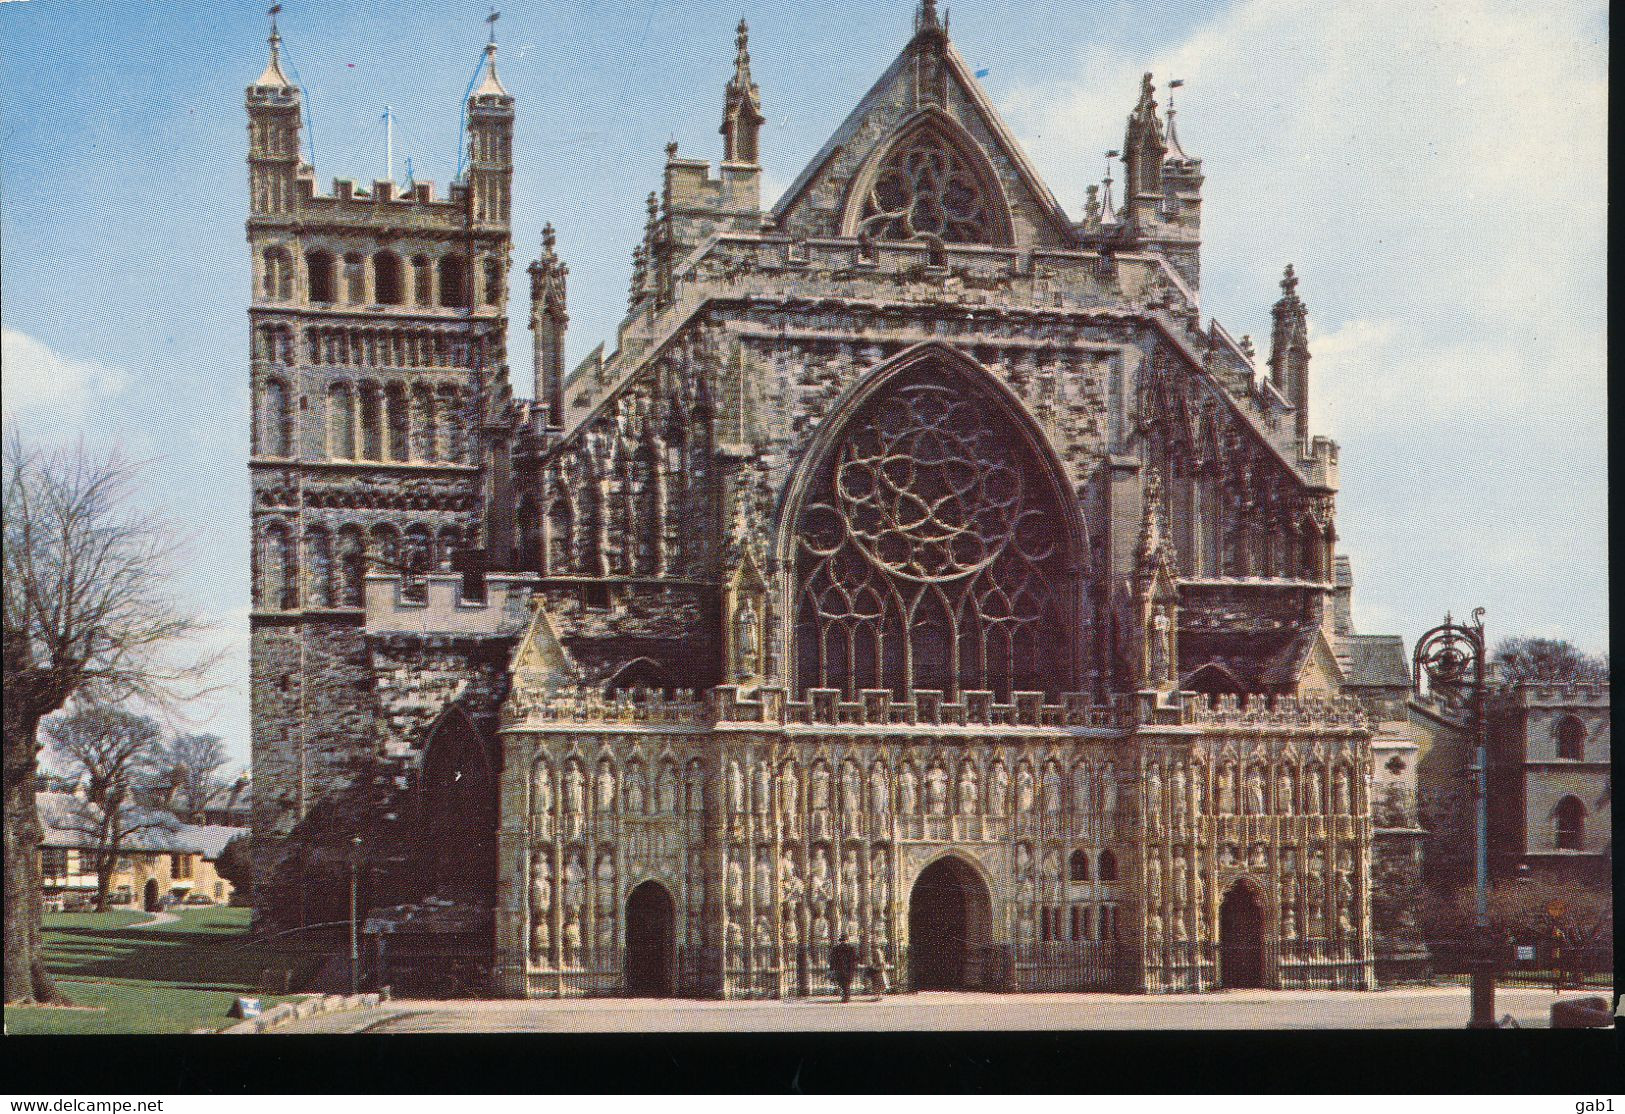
[1289, 351]
[549, 317]
[490, 146]
[742, 111]
[1143, 152]
[273, 136]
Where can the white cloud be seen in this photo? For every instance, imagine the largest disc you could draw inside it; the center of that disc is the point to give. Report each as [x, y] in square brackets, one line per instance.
[1438, 174]
[38, 380]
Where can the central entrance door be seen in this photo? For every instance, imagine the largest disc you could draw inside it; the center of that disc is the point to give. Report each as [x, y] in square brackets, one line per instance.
[950, 923]
[1241, 940]
[651, 942]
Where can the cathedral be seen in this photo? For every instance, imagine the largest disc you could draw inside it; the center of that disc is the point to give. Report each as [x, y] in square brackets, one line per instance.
[917, 568]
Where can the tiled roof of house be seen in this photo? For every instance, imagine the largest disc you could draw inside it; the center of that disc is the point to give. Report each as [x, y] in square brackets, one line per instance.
[56, 812]
[1374, 660]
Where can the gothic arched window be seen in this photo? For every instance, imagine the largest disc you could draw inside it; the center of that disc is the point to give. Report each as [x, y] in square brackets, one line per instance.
[388, 289]
[319, 276]
[453, 281]
[422, 281]
[278, 419]
[932, 547]
[931, 183]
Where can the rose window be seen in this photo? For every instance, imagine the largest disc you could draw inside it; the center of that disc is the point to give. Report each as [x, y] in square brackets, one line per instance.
[932, 552]
[926, 188]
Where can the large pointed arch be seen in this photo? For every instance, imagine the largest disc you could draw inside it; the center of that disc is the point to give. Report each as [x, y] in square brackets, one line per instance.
[457, 810]
[929, 181]
[929, 540]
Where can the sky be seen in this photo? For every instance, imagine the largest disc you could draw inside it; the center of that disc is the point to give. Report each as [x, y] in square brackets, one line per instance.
[1435, 171]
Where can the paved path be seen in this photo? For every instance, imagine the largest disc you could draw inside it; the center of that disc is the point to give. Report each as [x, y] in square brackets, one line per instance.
[163, 916]
[1419, 1008]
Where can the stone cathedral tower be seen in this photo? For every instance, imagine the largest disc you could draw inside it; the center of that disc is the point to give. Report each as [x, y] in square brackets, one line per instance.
[919, 566]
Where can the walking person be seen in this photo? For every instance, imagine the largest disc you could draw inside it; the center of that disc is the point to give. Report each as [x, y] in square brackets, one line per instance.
[879, 986]
[843, 965]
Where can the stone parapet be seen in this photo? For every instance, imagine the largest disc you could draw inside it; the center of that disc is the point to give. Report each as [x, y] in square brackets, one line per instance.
[441, 608]
[1278, 713]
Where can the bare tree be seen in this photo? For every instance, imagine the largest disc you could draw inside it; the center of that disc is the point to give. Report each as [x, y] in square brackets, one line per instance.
[88, 611]
[107, 751]
[1547, 659]
[193, 767]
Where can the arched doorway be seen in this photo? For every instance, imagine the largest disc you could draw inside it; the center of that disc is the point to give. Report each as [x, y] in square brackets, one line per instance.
[651, 942]
[458, 789]
[1241, 940]
[149, 896]
[950, 923]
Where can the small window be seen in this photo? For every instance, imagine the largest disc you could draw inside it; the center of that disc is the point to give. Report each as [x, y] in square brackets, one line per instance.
[453, 281]
[493, 282]
[1571, 738]
[355, 279]
[388, 289]
[1108, 866]
[53, 861]
[422, 281]
[1079, 866]
[1571, 824]
[319, 276]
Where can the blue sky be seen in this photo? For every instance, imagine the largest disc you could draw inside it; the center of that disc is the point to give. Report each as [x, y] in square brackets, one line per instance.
[1437, 173]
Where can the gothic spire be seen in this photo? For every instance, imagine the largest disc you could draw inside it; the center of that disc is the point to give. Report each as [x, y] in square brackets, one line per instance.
[1143, 152]
[491, 86]
[1174, 149]
[273, 77]
[925, 17]
[1289, 350]
[742, 117]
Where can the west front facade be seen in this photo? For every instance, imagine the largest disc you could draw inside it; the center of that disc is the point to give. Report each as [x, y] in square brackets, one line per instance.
[919, 569]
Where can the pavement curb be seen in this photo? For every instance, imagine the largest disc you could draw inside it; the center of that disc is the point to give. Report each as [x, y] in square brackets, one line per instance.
[298, 1011]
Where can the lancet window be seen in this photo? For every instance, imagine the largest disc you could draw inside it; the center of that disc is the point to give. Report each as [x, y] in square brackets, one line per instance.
[932, 549]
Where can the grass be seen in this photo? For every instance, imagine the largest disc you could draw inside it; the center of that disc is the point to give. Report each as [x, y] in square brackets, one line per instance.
[170, 978]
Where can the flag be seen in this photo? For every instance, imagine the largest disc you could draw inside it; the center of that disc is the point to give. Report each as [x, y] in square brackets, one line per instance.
[983, 73]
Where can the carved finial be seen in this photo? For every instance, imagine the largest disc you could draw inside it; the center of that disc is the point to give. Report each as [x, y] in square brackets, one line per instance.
[671, 153]
[492, 21]
[549, 238]
[1247, 346]
[742, 117]
[1289, 282]
[1091, 205]
[1148, 93]
[273, 75]
[926, 17]
[742, 52]
[652, 204]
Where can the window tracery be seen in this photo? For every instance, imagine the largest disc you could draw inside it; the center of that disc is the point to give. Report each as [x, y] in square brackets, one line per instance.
[932, 552]
[927, 188]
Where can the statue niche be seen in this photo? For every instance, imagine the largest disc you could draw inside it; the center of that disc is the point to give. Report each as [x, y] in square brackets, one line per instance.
[935, 545]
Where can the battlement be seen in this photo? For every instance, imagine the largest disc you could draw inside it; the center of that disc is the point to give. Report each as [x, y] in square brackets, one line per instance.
[691, 188]
[434, 605]
[1277, 713]
[1565, 694]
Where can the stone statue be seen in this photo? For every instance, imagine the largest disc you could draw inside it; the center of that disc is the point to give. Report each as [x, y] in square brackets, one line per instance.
[763, 879]
[1181, 872]
[1289, 921]
[541, 884]
[1024, 789]
[1311, 790]
[1345, 889]
[572, 941]
[606, 932]
[764, 940]
[606, 786]
[1153, 926]
[736, 883]
[1153, 879]
[1340, 791]
[820, 930]
[1284, 790]
[819, 792]
[606, 879]
[1108, 788]
[1153, 793]
[736, 788]
[789, 789]
[879, 790]
[1180, 935]
[540, 939]
[998, 790]
[879, 878]
[696, 788]
[575, 882]
[1255, 791]
[818, 880]
[1050, 872]
[1159, 668]
[792, 937]
[1199, 884]
[1199, 788]
[851, 788]
[789, 878]
[936, 790]
[541, 789]
[1052, 788]
[666, 788]
[762, 781]
[908, 790]
[1257, 857]
[1227, 789]
[1081, 797]
[1179, 790]
[967, 788]
[747, 635]
[735, 941]
[575, 789]
[636, 790]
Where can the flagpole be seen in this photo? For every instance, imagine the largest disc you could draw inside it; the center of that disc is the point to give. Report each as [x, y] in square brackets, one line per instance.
[389, 144]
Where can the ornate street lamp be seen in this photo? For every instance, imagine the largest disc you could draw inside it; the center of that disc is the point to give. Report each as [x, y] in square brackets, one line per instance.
[355, 951]
[1453, 657]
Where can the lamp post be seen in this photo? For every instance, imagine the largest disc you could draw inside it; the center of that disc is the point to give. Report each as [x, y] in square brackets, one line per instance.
[355, 951]
[1452, 656]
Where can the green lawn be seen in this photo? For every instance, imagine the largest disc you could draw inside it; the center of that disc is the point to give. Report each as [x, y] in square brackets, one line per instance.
[171, 978]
